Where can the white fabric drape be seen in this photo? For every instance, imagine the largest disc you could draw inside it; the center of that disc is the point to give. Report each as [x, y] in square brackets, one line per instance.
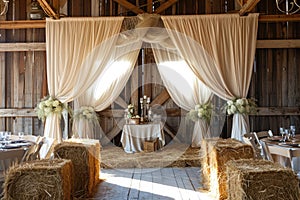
[68, 42]
[109, 84]
[220, 50]
[184, 88]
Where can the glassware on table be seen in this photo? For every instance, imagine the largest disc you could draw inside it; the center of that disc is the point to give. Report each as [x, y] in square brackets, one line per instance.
[2, 135]
[7, 135]
[21, 135]
[281, 131]
[293, 130]
[286, 135]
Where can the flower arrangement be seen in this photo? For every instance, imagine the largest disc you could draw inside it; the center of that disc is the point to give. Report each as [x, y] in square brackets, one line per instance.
[130, 111]
[86, 112]
[242, 106]
[201, 111]
[48, 106]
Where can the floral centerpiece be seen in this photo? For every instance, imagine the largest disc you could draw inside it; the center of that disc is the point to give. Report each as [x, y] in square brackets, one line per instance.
[242, 106]
[201, 111]
[130, 111]
[48, 106]
[86, 112]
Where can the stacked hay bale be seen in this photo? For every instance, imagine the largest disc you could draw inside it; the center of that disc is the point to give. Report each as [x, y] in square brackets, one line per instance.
[261, 180]
[42, 179]
[215, 153]
[85, 155]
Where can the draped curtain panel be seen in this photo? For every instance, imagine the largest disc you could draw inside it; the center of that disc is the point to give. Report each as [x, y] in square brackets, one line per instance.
[220, 52]
[68, 42]
[82, 53]
[106, 88]
[185, 89]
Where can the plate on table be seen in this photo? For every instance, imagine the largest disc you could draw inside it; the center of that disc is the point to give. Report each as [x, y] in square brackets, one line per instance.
[275, 138]
[11, 146]
[289, 144]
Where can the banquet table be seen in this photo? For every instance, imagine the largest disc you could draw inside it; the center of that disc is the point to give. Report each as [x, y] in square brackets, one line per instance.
[289, 148]
[134, 135]
[12, 151]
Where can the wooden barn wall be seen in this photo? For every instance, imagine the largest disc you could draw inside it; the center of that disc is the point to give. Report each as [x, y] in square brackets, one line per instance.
[275, 81]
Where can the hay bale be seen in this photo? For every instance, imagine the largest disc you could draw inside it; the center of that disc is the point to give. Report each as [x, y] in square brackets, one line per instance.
[85, 155]
[42, 179]
[261, 180]
[94, 148]
[216, 153]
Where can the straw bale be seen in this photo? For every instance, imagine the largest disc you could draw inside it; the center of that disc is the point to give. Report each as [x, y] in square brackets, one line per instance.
[94, 148]
[261, 180]
[215, 154]
[41, 179]
[85, 156]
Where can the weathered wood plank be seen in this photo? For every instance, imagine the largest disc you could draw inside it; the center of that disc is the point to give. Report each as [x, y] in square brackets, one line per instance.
[279, 18]
[277, 111]
[25, 112]
[9, 47]
[291, 43]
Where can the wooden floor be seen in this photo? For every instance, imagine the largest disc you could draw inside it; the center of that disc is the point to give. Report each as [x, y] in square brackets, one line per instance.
[151, 183]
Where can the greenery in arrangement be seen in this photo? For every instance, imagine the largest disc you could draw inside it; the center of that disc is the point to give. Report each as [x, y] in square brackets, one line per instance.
[241, 106]
[201, 111]
[130, 111]
[86, 112]
[48, 106]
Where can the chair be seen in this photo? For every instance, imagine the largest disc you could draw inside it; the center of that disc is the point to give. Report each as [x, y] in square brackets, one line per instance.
[260, 135]
[34, 152]
[250, 138]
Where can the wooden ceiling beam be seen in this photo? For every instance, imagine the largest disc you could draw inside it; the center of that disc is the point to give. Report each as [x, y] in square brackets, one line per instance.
[47, 9]
[130, 6]
[25, 24]
[164, 6]
[248, 7]
[150, 6]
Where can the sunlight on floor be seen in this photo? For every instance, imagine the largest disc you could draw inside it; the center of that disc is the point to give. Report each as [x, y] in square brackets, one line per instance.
[160, 189]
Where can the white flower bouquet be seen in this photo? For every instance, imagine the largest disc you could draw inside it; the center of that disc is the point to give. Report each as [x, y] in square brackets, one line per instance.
[201, 111]
[242, 106]
[48, 106]
[86, 112]
[130, 111]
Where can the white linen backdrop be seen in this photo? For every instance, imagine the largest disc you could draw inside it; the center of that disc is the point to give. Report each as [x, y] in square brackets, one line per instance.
[229, 41]
[68, 42]
[185, 89]
[109, 84]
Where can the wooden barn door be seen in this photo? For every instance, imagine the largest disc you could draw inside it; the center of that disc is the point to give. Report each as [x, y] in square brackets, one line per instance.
[146, 80]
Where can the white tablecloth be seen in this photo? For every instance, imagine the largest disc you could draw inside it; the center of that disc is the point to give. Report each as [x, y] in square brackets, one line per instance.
[133, 136]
